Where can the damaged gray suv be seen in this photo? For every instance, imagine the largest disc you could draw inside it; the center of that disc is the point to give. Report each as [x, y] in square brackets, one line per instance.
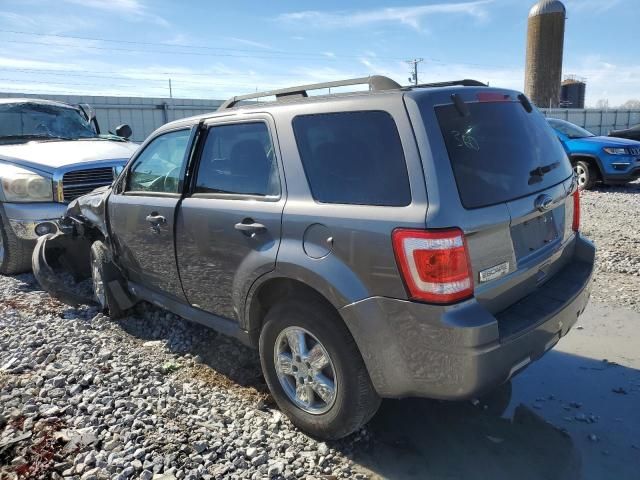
[403, 241]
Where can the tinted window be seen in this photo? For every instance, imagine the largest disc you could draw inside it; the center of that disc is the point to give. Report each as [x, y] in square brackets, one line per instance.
[238, 158]
[159, 167]
[353, 158]
[500, 152]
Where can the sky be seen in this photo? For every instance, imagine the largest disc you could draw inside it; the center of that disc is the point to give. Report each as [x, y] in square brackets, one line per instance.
[217, 49]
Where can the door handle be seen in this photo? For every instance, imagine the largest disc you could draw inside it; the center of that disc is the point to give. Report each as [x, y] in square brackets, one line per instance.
[251, 229]
[156, 219]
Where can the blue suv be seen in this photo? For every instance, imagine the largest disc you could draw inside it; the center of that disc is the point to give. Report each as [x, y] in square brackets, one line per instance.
[598, 159]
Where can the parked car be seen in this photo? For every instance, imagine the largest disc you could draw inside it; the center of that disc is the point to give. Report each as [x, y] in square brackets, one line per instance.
[50, 154]
[598, 158]
[632, 133]
[419, 241]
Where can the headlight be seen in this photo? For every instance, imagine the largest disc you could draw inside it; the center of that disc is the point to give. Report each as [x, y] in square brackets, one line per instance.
[615, 150]
[20, 185]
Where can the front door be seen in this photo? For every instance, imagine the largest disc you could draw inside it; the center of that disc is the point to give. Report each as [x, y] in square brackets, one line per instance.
[228, 226]
[142, 215]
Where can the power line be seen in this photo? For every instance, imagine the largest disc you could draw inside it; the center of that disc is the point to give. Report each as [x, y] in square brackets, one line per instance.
[270, 54]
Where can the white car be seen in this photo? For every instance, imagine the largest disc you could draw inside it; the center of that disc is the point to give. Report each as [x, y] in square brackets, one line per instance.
[50, 154]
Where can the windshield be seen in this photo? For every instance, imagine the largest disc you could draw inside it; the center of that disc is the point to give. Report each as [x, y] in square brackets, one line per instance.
[569, 129]
[499, 152]
[32, 120]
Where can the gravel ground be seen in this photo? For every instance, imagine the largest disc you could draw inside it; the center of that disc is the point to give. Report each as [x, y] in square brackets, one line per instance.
[610, 218]
[152, 396]
[148, 396]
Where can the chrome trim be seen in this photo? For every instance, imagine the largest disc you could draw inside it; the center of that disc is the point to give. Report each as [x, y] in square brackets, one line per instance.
[58, 191]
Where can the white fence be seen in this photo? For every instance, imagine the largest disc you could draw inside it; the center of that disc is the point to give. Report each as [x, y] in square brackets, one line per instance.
[600, 122]
[144, 115]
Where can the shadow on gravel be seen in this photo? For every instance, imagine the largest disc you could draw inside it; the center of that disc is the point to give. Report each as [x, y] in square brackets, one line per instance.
[210, 356]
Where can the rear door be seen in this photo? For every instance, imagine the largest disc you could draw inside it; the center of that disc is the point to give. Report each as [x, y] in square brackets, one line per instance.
[141, 216]
[229, 225]
[504, 178]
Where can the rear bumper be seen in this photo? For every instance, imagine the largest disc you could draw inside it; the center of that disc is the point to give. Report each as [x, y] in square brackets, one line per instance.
[461, 351]
[24, 217]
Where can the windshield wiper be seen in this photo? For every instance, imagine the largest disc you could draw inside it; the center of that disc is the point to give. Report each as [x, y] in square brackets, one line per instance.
[33, 136]
[541, 171]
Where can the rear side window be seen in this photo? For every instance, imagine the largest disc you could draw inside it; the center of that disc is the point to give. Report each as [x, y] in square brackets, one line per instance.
[499, 152]
[238, 159]
[353, 158]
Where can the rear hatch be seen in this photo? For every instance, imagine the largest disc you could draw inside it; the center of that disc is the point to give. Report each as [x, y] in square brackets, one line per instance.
[494, 169]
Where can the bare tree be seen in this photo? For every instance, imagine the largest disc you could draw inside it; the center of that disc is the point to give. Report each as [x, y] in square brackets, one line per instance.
[602, 104]
[633, 104]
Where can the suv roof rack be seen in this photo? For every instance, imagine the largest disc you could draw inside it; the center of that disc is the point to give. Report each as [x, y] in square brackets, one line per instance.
[375, 82]
[467, 82]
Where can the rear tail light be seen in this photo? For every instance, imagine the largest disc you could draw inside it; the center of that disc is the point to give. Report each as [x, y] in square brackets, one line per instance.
[576, 211]
[434, 264]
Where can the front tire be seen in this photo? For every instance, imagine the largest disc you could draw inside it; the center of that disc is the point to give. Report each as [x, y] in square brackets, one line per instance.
[104, 271]
[15, 254]
[587, 176]
[315, 371]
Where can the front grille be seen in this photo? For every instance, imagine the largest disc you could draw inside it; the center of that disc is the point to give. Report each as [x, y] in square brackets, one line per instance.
[634, 150]
[80, 182]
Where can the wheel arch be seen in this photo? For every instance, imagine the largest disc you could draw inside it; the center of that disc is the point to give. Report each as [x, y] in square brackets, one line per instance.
[273, 289]
[591, 159]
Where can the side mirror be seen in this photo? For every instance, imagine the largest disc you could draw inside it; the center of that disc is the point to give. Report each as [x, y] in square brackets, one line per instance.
[124, 131]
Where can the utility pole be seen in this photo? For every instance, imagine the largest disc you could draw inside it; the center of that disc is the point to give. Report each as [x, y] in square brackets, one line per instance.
[170, 90]
[414, 71]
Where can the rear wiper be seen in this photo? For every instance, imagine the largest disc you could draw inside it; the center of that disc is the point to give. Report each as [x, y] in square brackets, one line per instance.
[541, 171]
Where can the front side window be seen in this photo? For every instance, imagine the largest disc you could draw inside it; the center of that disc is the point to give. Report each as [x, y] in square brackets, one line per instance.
[353, 158]
[159, 167]
[238, 159]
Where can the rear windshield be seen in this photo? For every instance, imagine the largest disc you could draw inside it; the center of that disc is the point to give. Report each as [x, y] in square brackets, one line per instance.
[499, 152]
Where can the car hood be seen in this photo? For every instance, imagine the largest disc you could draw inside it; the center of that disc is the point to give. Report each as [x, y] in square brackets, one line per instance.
[50, 155]
[609, 141]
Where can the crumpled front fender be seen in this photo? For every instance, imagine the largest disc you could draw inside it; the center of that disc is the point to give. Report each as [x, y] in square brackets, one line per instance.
[60, 261]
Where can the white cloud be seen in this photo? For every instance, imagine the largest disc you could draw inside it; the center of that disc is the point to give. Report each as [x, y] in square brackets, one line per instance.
[408, 16]
[251, 43]
[133, 10]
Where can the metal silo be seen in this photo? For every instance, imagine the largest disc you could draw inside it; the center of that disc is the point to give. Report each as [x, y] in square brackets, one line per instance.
[545, 41]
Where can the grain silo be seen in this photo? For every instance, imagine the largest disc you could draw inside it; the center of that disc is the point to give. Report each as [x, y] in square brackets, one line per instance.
[545, 41]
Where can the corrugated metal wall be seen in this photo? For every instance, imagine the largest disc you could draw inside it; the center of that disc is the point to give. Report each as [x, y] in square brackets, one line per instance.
[144, 115]
[600, 122]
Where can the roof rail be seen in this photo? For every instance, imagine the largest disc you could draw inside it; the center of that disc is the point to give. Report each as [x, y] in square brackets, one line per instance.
[465, 83]
[375, 82]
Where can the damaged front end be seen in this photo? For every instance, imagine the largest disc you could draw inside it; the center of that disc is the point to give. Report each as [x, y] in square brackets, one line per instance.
[62, 261]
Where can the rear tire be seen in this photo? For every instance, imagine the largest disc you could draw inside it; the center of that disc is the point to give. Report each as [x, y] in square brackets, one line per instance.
[15, 254]
[328, 415]
[103, 271]
[587, 175]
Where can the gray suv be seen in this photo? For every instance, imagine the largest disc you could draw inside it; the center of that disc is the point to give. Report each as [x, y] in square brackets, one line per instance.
[404, 241]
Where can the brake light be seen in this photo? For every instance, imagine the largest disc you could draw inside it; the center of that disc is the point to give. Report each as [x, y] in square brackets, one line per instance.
[492, 97]
[434, 264]
[576, 211]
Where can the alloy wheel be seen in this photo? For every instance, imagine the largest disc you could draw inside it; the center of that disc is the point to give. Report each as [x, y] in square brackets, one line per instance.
[582, 175]
[305, 370]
